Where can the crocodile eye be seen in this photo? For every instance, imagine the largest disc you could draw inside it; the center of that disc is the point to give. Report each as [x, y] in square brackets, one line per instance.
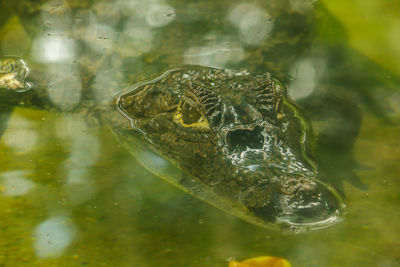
[188, 115]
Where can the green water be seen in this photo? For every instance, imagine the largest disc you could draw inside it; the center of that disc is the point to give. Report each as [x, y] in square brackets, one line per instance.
[70, 195]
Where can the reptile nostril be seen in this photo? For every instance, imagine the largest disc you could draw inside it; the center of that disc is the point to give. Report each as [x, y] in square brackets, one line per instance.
[241, 139]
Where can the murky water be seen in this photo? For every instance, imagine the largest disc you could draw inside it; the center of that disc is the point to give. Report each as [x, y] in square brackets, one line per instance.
[70, 195]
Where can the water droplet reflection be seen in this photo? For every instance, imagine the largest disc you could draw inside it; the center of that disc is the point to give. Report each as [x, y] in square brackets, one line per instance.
[53, 236]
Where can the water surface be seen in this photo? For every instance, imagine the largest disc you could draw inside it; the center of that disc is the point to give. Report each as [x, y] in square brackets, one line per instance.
[70, 195]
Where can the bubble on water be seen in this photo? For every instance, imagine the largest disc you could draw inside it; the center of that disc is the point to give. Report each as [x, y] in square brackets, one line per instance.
[218, 55]
[53, 48]
[53, 236]
[306, 73]
[159, 15]
[254, 23]
[14, 183]
[20, 135]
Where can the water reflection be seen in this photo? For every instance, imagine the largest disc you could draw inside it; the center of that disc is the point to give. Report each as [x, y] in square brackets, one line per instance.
[135, 40]
[306, 73]
[142, 217]
[214, 55]
[14, 183]
[254, 23]
[84, 150]
[52, 48]
[53, 236]
[105, 13]
[20, 135]
[394, 104]
[99, 37]
[56, 15]
[159, 15]
[65, 86]
[302, 6]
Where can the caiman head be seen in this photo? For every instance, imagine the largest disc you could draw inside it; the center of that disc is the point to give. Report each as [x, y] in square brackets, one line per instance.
[241, 144]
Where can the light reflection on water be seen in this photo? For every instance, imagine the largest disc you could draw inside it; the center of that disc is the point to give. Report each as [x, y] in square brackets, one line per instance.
[216, 55]
[14, 183]
[53, 236]
[53, 48]
[21, 136]
[84, 150]
[254, 23]
[306, 73]
[71, 196]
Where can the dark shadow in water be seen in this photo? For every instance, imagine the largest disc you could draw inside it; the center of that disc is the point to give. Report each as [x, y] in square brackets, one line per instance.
[353, 84]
